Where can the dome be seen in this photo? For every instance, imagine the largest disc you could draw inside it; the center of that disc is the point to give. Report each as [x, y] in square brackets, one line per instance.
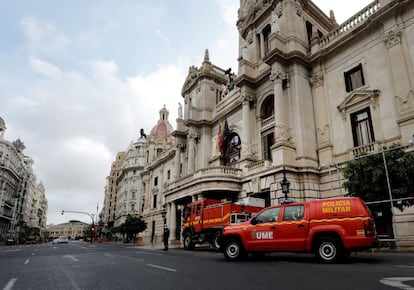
[163, 129]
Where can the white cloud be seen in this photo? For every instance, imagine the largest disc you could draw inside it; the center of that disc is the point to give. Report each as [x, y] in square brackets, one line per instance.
[87, 148]
[44, 36]
[43, 67]
[104, 69]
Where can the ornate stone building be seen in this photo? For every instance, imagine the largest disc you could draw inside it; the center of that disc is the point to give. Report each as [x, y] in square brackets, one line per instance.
[23, 202]
[309, 95]
[109, 208]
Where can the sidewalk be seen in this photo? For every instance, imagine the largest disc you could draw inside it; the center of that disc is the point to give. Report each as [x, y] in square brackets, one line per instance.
[150, 246]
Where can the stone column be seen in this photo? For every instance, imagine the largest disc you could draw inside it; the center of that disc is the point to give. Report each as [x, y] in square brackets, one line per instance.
[246, 137]
[191, 151]
[283, 151]
[281, 104]
[177, 161]
[262, 46]
[173, 220]
[323, 133]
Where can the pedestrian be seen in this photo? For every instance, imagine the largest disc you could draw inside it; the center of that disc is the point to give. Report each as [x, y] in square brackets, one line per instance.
[166, 236]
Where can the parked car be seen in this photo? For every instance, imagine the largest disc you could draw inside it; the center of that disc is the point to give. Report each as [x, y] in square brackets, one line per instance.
[61, 240]
[10, 241]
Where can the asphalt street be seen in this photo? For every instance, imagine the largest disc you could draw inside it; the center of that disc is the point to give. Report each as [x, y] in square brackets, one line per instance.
[81, 265]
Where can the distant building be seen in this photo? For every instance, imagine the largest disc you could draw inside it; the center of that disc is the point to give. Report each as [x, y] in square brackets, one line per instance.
[72, 229]
[23, 203]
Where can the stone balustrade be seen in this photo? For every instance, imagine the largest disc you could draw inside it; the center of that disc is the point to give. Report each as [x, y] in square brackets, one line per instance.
[350, 24]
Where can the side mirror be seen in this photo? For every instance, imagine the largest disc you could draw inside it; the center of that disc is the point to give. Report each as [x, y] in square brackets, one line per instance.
[253, 221]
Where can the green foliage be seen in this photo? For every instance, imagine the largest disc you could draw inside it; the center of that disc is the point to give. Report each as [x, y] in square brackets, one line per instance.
[366, 177]
[131, 227]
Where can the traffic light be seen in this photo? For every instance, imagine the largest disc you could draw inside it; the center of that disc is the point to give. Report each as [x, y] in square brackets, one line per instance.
[92, 229]
[63, 211]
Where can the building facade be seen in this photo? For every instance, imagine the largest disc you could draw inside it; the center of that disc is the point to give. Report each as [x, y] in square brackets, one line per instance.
[72, 229]
[309, 95]
[109, 208]
[23, 203]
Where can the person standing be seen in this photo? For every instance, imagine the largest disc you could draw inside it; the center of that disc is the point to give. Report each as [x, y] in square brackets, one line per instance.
[166, 237]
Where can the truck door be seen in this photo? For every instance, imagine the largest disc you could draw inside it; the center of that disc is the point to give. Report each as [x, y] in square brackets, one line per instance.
[196, 217]
[260, 235]
[293, 229]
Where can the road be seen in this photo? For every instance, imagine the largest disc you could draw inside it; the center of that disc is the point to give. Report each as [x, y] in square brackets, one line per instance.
[80, 265]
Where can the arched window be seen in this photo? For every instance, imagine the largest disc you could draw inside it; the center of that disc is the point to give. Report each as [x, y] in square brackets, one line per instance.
[267, 114]
[233, 150]
[268, 108]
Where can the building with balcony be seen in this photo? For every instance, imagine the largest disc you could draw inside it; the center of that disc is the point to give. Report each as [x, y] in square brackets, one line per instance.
[309, 95]
[109, 208]
[23, 204]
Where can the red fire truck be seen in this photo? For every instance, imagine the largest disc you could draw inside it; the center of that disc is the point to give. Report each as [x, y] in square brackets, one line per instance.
[204, 219]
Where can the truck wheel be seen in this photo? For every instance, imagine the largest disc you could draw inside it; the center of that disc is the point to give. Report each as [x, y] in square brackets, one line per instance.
[233, 250]
[329, 250]
[188, 242]
[216, 240]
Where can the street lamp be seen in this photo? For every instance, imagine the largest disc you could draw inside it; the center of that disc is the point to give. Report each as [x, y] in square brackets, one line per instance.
[285, 184]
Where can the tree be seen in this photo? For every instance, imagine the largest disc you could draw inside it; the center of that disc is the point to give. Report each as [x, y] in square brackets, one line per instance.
[366, 176]
[131, 227]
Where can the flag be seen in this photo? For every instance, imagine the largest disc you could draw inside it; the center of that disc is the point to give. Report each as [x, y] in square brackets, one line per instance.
[223, 136]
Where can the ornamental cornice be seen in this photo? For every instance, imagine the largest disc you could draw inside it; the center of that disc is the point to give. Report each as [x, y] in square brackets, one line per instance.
[392, 38]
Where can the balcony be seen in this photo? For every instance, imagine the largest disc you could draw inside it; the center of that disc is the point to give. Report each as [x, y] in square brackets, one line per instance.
[364, 149]
[268, 122]
[348, 26]
[217, 177]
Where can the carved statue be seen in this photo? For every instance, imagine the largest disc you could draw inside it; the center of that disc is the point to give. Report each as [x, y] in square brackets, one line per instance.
[274, 22]
[143, 135]
[230, 84]
[180, 111]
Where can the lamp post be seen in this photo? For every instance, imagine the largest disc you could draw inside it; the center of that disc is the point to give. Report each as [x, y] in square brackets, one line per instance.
[285, 184]
[91, 215]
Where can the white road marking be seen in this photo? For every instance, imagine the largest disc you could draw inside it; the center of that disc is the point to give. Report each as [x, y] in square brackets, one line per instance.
[10, 284]
[26, 262]
[397, 282]
[33, 254]
[149, 253]
[162, 268]
[71, 257]
[14, 250]
[109, 255]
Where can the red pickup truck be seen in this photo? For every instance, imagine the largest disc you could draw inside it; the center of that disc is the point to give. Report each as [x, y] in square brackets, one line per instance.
[330, 228]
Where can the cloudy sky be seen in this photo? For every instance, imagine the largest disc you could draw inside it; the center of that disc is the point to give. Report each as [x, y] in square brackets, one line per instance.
[78, 79]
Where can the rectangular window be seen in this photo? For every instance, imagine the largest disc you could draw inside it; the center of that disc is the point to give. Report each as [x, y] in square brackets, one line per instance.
[168, 174]
[354, 78]
[362, 130]
[154, 201]
[156, 181]
[267, 142]
[266, 42]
